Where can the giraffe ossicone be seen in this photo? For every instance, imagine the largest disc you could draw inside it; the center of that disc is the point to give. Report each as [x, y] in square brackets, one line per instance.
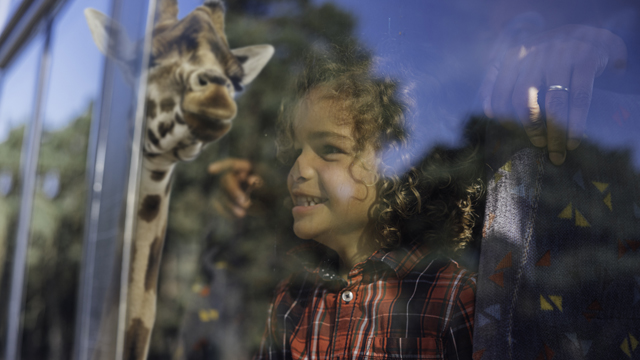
[193, 78]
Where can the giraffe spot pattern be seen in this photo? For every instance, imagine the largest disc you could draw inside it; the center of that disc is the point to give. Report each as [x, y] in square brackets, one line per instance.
[135, 340]
[152, 137]
[167, 105]
[153, 265]
[134, 252]
[165, 128]
[150, 208]
[179, 119]
[151, 109]
[158, 175]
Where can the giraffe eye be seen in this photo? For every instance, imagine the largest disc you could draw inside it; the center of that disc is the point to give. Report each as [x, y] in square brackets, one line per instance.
[236, 83]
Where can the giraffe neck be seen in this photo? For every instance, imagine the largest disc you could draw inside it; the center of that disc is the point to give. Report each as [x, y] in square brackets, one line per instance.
[153, 206]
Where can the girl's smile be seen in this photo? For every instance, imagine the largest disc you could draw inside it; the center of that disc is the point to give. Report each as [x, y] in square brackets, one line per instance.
[306, 201]
[303, 204]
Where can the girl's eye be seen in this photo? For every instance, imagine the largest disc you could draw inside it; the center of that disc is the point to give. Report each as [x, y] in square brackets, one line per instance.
[330, 150]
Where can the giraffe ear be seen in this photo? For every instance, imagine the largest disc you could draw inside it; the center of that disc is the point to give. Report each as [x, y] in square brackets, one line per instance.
[110, 37]
[253, 60]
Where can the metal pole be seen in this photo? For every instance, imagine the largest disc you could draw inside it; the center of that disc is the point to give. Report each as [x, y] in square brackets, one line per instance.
[95, 170]
[18, 275]
[134, 179]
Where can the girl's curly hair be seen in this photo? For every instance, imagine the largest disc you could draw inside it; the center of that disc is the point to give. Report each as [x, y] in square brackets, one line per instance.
[417, 202]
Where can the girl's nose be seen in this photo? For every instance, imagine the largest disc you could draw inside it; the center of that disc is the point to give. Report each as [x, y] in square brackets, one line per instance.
[301, 169]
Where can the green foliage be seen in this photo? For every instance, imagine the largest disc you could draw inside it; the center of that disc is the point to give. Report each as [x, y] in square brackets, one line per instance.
[56, 233]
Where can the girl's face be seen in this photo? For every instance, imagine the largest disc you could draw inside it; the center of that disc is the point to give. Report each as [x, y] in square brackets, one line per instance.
[331, 197]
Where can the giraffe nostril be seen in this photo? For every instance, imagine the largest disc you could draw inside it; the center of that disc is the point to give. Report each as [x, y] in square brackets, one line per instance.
[202, 81]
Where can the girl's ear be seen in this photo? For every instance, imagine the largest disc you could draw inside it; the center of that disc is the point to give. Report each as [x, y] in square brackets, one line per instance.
[253, 59]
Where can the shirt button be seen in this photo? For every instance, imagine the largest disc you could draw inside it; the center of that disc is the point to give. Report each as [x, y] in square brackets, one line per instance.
[347, 296]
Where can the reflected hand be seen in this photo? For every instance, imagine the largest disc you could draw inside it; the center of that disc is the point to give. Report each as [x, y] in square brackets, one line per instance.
[559, 68]
[236, 183]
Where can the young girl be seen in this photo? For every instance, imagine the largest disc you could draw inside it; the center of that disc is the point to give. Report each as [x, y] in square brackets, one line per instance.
[375, 284]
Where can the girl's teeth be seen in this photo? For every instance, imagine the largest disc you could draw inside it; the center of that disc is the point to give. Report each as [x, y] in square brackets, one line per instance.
[309, 201]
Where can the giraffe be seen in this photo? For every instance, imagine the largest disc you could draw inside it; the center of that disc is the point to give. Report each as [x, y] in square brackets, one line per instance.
[193, 77]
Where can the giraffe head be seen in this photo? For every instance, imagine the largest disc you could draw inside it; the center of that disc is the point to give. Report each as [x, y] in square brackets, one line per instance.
[193, 75]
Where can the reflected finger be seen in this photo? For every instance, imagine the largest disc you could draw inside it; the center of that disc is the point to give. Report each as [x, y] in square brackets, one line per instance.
[231, 186]
[229, 164]
[237, 210]
[579, 102]
[253, 182]
[227, 209]
[504, 85]
[527, 108]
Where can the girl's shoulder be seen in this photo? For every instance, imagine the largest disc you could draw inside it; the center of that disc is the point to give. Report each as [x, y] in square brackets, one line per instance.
[442, 272]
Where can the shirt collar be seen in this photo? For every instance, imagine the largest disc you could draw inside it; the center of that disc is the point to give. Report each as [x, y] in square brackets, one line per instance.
[317, 258]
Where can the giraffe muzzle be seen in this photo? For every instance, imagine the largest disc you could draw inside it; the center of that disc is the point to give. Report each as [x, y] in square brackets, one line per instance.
[206, 129]
[209, 111]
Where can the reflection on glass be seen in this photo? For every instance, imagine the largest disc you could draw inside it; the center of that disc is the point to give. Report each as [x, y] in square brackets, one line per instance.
[4, 14]
[8, 9]
[218, 274]
[214, 286]
[17, 95]
[56, 230]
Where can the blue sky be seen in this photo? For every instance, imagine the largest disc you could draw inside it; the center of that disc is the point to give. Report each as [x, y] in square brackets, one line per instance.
[16, 94]
[444, 41]
[76, 70]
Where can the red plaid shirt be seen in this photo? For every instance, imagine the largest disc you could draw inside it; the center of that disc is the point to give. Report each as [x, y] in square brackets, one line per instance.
[409, 303]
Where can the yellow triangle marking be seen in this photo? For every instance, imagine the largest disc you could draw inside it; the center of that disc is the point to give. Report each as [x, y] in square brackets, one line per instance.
[204, 316]
[625, 347]
[508, 166]
[498, 176]
[544, 304]
[557, 300]
[607, 201]
[601, 186]
[567, 213]
[580, 220]
[634, 342]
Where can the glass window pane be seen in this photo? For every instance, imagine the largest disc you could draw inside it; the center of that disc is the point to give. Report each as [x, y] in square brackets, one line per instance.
[111, 151]
[218, 272]
[17, 95]
[57, 226]
[4, 13]
[8, 9]
[13, 6]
